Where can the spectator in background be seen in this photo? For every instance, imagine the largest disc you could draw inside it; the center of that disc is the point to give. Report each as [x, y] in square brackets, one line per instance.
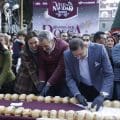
[116, 35]
[86, 37]
[17, 47]
[89, 74]
[6, 75]
[116, 63]
[51, 70]
[100, 37]
[70, 35]
[108, 33]
[110, 42]
[27, 77]
[64, 36]
[75, 35]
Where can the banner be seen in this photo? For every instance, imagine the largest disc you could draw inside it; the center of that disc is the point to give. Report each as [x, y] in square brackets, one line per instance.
[58, 16]
[62, 9]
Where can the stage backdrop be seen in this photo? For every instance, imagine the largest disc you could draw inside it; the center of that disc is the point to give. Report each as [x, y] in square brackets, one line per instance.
[78, 16]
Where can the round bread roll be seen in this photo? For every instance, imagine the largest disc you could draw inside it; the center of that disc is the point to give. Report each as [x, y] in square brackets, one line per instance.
[73, 100]
[1, 96]
[26, 112]
[2, 109]
[35, 113]
[81, 115]
[30, 97]
[57, 99]
[107, 103]
[9, 110]
[115, 104]
[22, 97]
[65, 100]
[14, 97]
[97, 116]
[53, 114]
[89, 115]
[18, 111]
[70, 115]
[7, 96]
[35, 98]
[48, 99]
[45, 113]
[40, 98]
[61, 114]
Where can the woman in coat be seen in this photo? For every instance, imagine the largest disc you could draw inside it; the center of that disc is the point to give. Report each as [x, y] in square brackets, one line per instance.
[6, 74]
[27, 77]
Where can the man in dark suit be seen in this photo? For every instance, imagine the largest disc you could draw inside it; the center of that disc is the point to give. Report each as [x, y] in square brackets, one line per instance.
[52, 69]
[89, 74]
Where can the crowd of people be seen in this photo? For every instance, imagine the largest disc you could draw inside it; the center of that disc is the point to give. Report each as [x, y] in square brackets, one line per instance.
[86, 67]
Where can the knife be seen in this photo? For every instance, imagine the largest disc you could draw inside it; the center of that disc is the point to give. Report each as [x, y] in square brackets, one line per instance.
[88, 107]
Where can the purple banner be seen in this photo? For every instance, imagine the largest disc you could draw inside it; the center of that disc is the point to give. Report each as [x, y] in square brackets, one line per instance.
[85, 21]
[62, 9]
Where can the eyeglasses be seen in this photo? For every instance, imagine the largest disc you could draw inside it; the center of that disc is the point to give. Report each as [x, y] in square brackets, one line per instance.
[86, 40]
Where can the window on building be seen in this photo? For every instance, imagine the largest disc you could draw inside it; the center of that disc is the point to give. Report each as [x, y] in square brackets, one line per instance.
[103, 25]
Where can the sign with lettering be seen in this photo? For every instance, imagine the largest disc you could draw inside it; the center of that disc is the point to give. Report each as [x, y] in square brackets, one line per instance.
[74, 16]
[62, 9]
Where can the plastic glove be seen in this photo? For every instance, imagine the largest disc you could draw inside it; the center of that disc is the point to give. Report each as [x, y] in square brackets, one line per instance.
[40, 86]
[45, 90]
[81, 99]
[98, 102]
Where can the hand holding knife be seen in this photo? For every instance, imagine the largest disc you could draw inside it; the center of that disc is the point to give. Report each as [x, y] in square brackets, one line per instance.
[94, 106]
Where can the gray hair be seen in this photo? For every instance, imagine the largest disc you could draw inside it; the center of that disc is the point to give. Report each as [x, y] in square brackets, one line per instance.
[45, 35]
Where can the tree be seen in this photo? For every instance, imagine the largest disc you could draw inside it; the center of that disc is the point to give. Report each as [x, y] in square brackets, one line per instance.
[28, 13]
[116, 22]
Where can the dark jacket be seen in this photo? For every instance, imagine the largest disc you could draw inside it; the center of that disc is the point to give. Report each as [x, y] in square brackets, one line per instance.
[52, 67]
[116, 61]
[17, 47]
[27, 77]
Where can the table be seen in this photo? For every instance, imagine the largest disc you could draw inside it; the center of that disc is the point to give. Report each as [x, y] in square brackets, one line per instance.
[38, 105]
[3, 117]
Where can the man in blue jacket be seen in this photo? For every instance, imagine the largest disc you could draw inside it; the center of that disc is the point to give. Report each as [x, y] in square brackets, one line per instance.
[89, 74]
[116, 64]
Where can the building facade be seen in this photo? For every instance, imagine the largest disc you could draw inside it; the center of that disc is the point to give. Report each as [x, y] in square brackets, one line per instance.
[107, 14]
